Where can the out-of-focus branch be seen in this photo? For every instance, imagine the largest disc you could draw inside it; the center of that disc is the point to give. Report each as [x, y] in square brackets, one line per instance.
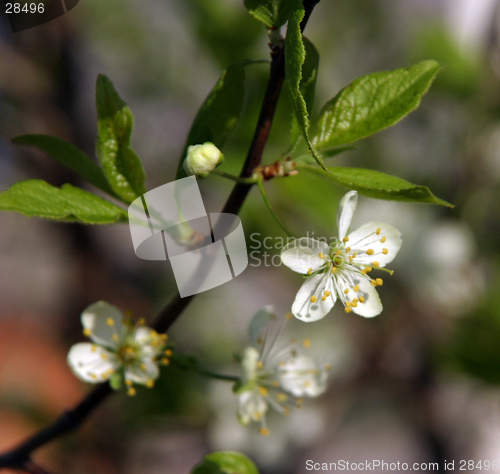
[20, 457]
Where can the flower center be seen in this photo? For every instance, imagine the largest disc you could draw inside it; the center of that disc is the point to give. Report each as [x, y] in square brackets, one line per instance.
[127, 353]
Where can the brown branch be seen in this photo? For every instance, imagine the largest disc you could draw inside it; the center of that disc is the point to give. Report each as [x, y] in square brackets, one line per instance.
[19, 457]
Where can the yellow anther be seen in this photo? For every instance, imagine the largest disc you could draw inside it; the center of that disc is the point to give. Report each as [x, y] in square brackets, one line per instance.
[369, 252]
[383, 239]
[289, 316]
[286, 411]
[141, 322]
[131, 392]
[380, 282]
[164, 337]
[307, 384]
[260, 364]
[128, 382]
[355, 254]
[263, 391]
[275, 383]
[363, 272]
[115, 337]
[110, 322]
[348, 249]
[378, 231]
[306, 343]
[348, 304]
[346, 239]
[347, 309]
[165, 361]
[328, 366]
[334, 269]
[327, 293]
[374, 282]
[356, 288]
[168, 352]
[264, 431]
[309, 271]
[385, 251]
[282, 397]
[368, 269]
[376, 264]
[355, 300]
[143, 366]
[104, 356]
[87, 332]
[93, 347]
[321, 255]
[338, 252]
[350, 258]
[94, 376]
[323, 298]
[346, 291]
[361, 299]
[313, 299]
[150, 383]
[354, 304]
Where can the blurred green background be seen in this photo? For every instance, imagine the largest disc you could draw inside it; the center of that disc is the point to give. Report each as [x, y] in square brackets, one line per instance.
[419, 383]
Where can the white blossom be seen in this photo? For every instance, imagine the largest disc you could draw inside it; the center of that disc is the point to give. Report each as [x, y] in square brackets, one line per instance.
[274, 377]
[120, 349]
[202, 159]
[340, 270]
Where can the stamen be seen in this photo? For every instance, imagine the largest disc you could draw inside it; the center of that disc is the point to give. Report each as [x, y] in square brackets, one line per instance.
[128, 382]
[150, 383]
[168, 352]
[380, 282]
[361, 299]
[110, 322]
[321, 255]
[346, 239]
[104, 356]
[264, 431]
[383, 239]
[348, 249]
[369, 252]
[275, 383]
[376, 264]
[313, 299]
[115, 337]
[355, 254]
[263, 391]
[87, 332]
[289, 316]
[347, 309]
[165, 361]
[141, 322]
[309, 271]
[356, 288]
[260, 365]
[346, 291]
[282, 397]
[131, 392]
[93, 348]
[374, 282]
[327, 293]
[385, 251]
[306, 343]
[334, 269]
[143, 366]
[378, 231]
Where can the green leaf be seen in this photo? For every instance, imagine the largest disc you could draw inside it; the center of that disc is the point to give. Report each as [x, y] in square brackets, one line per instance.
[37, 198]
[307, 84]
[330, 153]
[378, 185]
[225, 462]
[295, 55]
[273, 13]
[115, 121]
[70, 156]
[220, 111]
[372, 103]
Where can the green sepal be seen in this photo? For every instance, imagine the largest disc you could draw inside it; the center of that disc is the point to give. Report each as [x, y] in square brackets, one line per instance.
[116, 381]
[225, 462]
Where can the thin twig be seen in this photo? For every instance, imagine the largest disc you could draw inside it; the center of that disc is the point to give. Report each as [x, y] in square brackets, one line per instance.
[267, 202]
[70, 420]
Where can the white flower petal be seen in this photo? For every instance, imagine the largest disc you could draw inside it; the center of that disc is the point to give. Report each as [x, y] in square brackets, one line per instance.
[92, 363]
[303, 254]
[104, 322]
[382, 246]
[252, 406]
[303, 376]
[149, 340]
[314, 287]
[260, 319]
[372, 305]
[249, 364]
[345, 211]
[142, 370]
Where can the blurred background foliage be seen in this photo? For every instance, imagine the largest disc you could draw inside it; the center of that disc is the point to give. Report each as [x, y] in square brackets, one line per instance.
[419, 383]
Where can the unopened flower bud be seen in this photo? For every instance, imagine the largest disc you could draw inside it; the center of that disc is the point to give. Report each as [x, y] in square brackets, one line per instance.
[201, 160]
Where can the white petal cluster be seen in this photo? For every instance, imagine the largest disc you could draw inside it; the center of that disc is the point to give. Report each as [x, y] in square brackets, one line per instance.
[274, 377]
[202, 159]
[340, 270]
[119, 348]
